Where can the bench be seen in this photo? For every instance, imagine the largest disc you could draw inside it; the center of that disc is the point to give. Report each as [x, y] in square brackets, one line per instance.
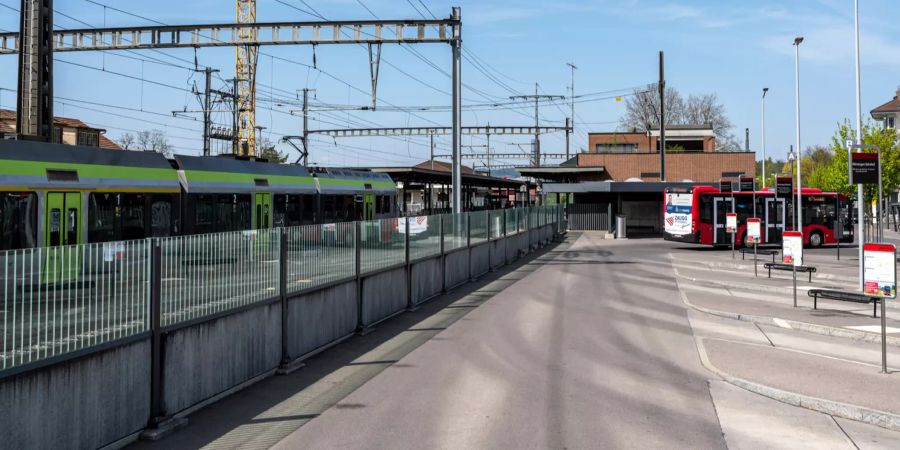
[779, 266]
[762, 251]
[845, 297]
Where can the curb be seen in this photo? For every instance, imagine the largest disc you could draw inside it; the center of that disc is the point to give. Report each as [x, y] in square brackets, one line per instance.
[813, 328]
[882, 419]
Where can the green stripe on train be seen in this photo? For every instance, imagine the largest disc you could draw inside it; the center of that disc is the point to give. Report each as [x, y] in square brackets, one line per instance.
[39, 169]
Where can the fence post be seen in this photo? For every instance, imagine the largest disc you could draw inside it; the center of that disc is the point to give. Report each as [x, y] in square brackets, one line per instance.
[410, 305]
[468, 216]
[157, 406]
[443, 258]
[357, 240]
[491, 245]
[287, 366]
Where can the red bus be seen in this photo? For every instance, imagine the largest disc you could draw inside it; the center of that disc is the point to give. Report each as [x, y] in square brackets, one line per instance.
[697, 215]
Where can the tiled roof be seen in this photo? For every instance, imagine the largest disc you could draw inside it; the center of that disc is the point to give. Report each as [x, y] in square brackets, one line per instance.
[891, 106]
[7, 115]
[441, 166]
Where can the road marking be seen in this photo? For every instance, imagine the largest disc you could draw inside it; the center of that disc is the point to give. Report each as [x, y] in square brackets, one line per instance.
[782, 323]
[874, 329]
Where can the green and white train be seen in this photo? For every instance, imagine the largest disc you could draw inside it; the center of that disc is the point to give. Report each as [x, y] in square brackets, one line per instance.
[53, 194]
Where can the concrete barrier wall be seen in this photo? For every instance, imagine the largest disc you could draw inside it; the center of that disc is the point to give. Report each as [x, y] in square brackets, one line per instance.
[208, 358]
[384, 294]
[481, 259]
[101, 398]
[457, 268]
[426, 279]
[84, 403]
[321, 317]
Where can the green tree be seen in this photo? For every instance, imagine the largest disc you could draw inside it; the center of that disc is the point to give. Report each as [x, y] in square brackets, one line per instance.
[834, 176]
[268, 151]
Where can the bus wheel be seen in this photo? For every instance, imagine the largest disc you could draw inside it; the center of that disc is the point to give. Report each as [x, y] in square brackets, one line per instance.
[815, 239]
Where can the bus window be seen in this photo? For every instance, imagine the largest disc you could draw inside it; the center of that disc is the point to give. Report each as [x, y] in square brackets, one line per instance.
[706, 209]
[18, 220]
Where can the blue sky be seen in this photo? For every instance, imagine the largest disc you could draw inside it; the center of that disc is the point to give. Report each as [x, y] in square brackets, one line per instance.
[732, 49]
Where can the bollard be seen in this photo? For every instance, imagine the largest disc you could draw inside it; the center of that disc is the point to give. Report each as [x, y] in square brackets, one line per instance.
[620, 227]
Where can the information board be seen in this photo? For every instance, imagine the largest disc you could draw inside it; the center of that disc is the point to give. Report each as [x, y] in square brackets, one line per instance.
[863, 168]
[725, 186]
[747, 184]
[730, 222]
[753, 231]
[880, 270]
[792, 248]
[784, 186]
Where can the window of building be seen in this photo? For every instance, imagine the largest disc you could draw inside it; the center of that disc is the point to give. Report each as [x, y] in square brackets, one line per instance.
[58, 135]
[90, 138]
[616, 148]
[889, 122]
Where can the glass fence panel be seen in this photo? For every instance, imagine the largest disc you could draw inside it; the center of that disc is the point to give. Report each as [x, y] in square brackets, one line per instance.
[320, 254]
[61, 299]
[478, 226]
[424, 236]
[496, 220]
[454, 231]
[208, 274]
[381, 244]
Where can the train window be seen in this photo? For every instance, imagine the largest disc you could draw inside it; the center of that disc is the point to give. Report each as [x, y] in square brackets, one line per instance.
[101, 217]
[280, 204]
[204, 214]
[308, 211]
[294, 210]
[328, 202]
[161, 224]
[18, 220]
[131, 212]
[72, 226]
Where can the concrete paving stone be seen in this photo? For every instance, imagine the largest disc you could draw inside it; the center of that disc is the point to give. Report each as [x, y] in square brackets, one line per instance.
[707, 325]
[815, 376]
[866, 352]
[752, 422]
[869, 437]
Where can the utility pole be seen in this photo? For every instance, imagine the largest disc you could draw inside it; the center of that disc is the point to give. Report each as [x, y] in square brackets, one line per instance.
[537, 135]
[305, 139]
[236, 118]
[432, 151]
[860, 195]
[662, 117]
[34, 106]
[571, 122]
[488, 148]
[456, 45]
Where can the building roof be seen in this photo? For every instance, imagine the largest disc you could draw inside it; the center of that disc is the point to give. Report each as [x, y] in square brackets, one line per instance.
[891, 106]
[441, 174]
[8, 121]
[442, 166]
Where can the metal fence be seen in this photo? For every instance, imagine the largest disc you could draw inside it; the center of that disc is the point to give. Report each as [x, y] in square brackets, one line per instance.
[58, 300]
[589, 216]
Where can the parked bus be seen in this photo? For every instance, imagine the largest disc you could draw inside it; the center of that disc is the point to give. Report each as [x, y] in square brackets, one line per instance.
[697, 215]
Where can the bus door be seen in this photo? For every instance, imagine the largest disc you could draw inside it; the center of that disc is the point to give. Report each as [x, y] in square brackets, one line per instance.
[721, 206]
[776, 213]
[262, 206]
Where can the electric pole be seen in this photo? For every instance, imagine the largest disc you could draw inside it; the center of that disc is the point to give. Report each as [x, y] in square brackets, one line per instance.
[305, 139]
[537, 135]
[662, 117]
[571, 121]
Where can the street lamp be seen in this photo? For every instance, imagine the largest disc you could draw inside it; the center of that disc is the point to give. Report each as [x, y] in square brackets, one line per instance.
[765, 90]
[791, 157]
[797, 41]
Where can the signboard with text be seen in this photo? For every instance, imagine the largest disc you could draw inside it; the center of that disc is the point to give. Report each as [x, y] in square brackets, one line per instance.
[730, 222]
[863, 168]
[792, 248]
[880, 270]
[725, 186]
[784, 186]
[747, 184]
[753, 231]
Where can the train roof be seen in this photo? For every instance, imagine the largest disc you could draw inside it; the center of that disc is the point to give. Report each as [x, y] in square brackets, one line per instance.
[351, 181]
[41, 165]
[205, 174]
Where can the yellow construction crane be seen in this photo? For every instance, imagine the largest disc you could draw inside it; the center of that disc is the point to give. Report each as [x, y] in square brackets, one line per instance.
[245, 79]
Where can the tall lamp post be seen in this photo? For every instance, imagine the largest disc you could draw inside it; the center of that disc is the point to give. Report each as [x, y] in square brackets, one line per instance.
[791, 159]
[797, 41]
[860, 234]
[765, 90]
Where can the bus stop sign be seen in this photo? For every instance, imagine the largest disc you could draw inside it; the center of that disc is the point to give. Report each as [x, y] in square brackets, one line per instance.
[784, 186]
[863, 168]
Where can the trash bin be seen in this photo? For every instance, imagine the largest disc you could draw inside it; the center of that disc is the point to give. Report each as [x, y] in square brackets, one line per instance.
[620, 226]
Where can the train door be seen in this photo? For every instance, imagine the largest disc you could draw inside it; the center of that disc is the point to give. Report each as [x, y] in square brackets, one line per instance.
[368, 206]
[775, 219]
[721, 206]
[62, 225]
[262, 207]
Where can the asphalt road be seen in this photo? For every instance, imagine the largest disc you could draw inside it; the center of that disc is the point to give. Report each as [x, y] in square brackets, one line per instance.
[591, 350]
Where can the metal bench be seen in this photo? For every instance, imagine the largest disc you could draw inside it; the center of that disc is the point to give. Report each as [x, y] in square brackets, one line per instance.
[779, 266]
[845, 297]
[761, 251]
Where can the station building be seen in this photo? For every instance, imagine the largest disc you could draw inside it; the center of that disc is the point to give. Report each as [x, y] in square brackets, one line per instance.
[621, 173]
